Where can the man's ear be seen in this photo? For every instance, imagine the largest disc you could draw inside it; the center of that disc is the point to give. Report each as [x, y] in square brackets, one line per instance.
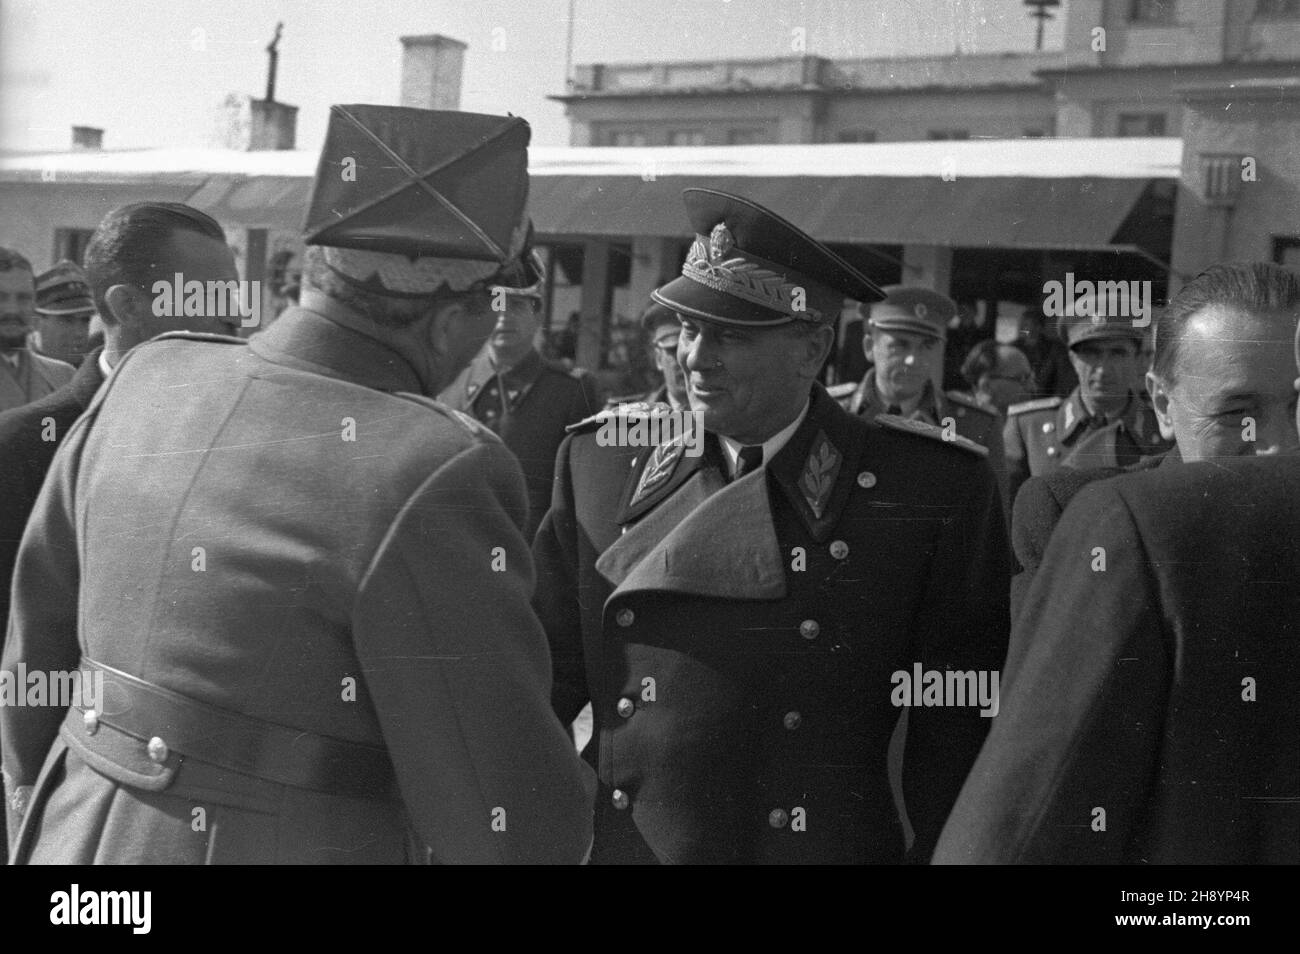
[814, 349]
[1160, 400]
[127, 305]
[867, 342]
[440, 325]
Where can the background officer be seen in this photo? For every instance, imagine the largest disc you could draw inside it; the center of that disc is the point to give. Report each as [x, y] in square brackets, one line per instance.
[1103, 423]
[63, 309]
[904, 343]
[663, 329]
[737, 616]
[522, 396]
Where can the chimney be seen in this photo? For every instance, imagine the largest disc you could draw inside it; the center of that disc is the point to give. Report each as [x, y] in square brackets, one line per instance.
[431, 71]
[87, 137]
[254, 125]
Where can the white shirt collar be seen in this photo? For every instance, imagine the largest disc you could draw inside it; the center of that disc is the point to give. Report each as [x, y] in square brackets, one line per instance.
[104, 367]
[771, 446]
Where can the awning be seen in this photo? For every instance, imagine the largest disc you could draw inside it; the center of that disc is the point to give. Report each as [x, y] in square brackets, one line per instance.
[995, 212]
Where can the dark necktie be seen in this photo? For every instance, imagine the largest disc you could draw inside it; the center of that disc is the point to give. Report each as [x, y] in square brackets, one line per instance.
[893, 409]
[751, 458]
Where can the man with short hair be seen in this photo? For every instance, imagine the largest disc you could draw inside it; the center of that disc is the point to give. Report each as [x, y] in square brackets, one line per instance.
[63, 310]
[1222, 387]
[737, 603]
[303, 581]
[1103, 423]
[904, 344]
[24, 374]
[526, 399]
[1154, 715]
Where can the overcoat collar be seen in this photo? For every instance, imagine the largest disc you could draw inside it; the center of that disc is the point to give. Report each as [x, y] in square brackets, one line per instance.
[309, 341]
[700, 536]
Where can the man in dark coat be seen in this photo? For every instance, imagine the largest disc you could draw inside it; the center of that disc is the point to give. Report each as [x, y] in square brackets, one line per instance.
[746, 603]
[1222, 386]
[525, 398]
[300, 583]
[1153, 715]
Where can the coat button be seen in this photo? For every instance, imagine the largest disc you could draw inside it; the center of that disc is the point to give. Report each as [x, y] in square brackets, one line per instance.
[792, 720]
[839, 549]
[1051, 452]
[625, 617]
[90, 718]
[620, 799]
[626, 707]
[1048, 427]
[809, 629]
[778, 817]
[866, 479]
[158, 750]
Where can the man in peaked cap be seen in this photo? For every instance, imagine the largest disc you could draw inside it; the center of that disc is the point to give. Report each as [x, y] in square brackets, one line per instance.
[1103, 423]
[25, 376]
[736, 605]
[904, 342]
[328, 647]
[663, 329]
[63, 309]
[526, 399]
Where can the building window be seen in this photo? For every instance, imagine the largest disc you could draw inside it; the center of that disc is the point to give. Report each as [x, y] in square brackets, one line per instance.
[856, 135]
[1141, 124]
[71, 244]
[748, 137]
[1277, 9]
[942, 134]
[1151, 11]
[686, 137]
[626, 137]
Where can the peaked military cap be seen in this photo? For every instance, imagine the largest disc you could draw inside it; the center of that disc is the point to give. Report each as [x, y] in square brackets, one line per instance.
[64, 290]
[915, 309]
[1095, 327]
[661, 322]
[749, 266]
[409, 202]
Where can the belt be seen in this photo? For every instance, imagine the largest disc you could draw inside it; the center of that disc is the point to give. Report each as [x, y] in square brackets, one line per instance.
[173, 727]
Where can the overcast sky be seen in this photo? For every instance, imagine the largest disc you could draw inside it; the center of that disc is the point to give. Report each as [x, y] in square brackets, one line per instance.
[152, 72]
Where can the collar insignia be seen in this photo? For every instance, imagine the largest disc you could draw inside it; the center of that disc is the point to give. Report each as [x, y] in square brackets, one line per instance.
[819, 473]
[659, 468]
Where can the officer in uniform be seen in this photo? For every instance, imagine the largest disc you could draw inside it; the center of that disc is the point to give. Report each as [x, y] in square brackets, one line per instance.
[296, 587]
[662, 326]
[63, 309]
[904, 342]
[737, 604]
[1103, 423]
[525, 398]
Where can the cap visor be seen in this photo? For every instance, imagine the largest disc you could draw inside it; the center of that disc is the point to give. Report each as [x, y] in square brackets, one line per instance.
[688, 297]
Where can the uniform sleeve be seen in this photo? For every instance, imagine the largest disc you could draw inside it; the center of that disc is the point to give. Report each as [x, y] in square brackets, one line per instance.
[1064, 776]
[555, 551]
[1017, 458]
[42, 624]
[458, 670]
[963, 625]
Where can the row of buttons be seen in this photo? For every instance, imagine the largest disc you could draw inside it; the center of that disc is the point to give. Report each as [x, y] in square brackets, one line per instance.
[777, 817]
[808, 629]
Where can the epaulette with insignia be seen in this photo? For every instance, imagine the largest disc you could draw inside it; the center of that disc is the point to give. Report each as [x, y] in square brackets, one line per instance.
[931, 431]
[965, 400]
[460, 417]
[841, 391]
[630, 409]
[1041, 404]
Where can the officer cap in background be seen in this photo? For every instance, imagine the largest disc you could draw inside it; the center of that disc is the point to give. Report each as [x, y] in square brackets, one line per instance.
[64, 290]
[412, 202]
[661, 323]
[911, 308]
[748, 266]
[1094, 328]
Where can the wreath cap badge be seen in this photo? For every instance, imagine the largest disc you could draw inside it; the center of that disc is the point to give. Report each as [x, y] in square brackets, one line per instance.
[720, 242]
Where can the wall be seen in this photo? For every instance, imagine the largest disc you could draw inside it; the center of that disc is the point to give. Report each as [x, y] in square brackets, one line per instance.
[899, 117]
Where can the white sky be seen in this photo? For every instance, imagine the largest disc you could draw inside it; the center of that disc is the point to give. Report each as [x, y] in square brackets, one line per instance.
[152, 72]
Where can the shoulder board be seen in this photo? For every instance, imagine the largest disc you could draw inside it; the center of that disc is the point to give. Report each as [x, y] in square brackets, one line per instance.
[923, 429]
[965, 400]
[841, 391]
[1042, 404]
[199, 336]
[460, 417]
[626, 409]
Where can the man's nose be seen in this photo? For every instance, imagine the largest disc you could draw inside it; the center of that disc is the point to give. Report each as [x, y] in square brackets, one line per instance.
[1277, 435]
[699, 356]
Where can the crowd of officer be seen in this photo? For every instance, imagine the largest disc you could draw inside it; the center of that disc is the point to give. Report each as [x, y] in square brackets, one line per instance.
[347, 583]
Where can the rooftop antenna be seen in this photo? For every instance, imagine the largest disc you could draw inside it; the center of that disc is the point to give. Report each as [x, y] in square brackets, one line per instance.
[568, 51]
[273, 54]
[1042, 14]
